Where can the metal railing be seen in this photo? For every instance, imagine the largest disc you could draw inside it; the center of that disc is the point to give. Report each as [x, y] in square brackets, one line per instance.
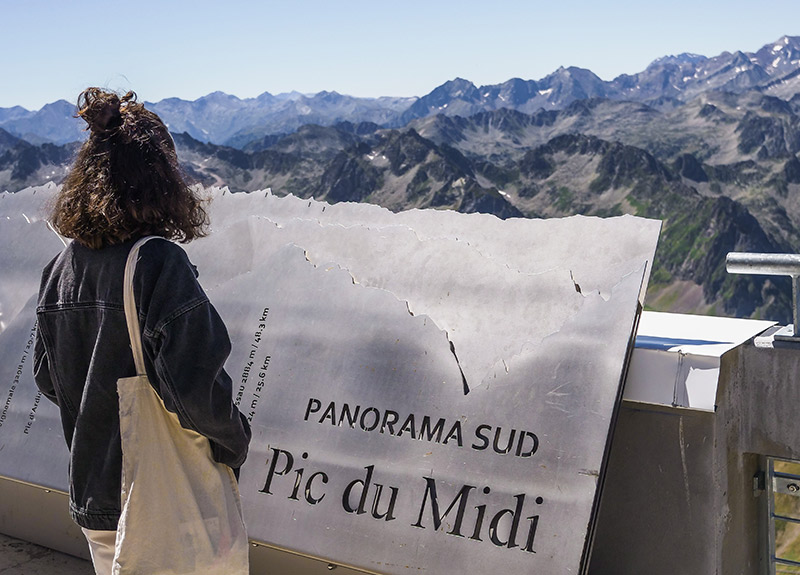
[783, 502]
[772, 265]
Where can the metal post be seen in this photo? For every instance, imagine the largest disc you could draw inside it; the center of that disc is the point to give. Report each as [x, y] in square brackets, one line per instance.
[772, 265]
[795, 295]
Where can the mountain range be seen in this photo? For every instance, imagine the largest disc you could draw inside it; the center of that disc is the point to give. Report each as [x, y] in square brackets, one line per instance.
[225, 119]
[708, 145]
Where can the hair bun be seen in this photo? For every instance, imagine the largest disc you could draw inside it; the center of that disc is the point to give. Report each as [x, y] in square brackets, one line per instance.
[100, 110]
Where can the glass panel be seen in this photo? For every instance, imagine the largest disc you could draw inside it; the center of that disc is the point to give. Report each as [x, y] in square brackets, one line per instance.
[787, 541]
[787, 505]
[786, 569]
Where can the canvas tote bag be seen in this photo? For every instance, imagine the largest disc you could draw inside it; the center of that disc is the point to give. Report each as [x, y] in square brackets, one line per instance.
[181, 511]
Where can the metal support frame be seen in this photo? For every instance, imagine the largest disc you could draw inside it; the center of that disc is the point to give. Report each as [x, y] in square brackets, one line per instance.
[772, 265]
[780, 482]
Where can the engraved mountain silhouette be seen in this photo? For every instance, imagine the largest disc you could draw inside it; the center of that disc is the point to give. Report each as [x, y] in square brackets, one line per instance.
[708, 145]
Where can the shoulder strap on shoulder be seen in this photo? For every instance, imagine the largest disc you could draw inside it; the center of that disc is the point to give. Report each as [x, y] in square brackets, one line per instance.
[129, 301]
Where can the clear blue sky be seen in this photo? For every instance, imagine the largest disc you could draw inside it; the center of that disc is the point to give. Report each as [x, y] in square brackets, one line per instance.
[52, 49]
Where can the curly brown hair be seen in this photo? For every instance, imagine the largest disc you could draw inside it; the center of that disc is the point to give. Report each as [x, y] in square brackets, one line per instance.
[126, 181]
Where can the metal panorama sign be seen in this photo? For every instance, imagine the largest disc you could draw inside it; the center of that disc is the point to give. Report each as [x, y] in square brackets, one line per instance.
[427, 390]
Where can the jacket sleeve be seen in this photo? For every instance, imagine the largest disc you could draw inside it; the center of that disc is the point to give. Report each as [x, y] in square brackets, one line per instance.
[41, 361]
[191, 351]
[41, 369]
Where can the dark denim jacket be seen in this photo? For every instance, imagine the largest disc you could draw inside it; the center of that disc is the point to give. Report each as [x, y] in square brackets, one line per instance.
[82, 348]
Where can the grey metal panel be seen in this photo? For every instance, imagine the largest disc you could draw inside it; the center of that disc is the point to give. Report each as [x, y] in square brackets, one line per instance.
[35, 514]
[661, 505]
[602, 244]
[32, 447]
[439, 336]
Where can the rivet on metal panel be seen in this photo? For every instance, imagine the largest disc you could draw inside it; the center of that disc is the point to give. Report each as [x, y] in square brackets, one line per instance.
[793, 487]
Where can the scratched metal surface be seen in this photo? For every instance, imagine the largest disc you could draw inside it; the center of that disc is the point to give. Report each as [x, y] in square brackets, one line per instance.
[378, 355]
[31, 442]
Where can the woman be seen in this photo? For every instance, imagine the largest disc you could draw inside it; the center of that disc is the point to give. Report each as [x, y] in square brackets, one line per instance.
[124, 185]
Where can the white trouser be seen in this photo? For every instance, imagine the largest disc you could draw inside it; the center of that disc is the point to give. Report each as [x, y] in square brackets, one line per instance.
[101, 546]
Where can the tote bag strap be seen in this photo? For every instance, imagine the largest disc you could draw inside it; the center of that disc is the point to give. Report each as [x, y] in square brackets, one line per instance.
[129, 301]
